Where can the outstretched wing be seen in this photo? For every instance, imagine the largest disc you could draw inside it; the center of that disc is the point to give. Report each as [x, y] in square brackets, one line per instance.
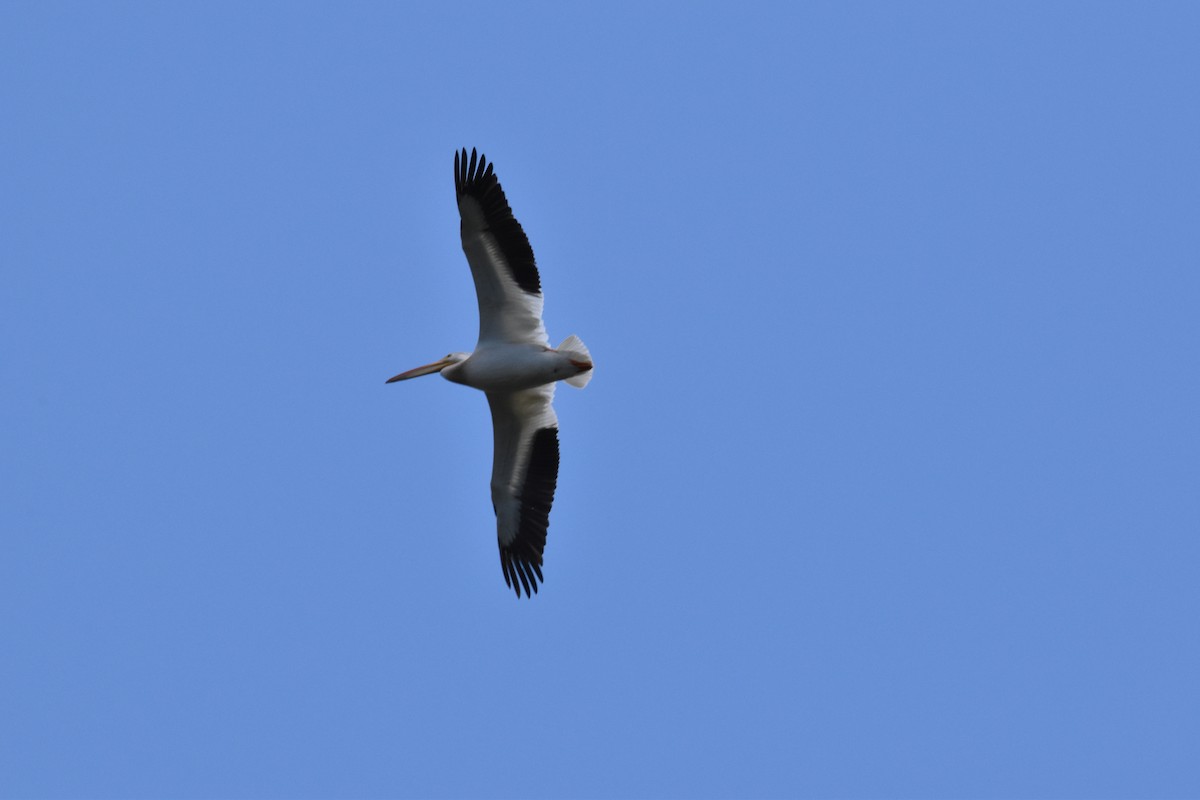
[506, 278]
[524, 476]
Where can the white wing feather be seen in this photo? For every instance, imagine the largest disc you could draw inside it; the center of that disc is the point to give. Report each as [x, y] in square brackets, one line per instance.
[507, 313]
[524, 478]
[507, 283]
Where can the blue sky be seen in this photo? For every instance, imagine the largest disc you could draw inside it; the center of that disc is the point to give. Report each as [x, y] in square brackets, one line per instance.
[886, 484]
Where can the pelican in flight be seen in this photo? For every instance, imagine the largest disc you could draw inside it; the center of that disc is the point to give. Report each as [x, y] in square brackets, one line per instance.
[514, 365]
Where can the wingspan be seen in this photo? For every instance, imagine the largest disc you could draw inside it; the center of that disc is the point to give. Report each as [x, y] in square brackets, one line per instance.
[524, 477]
[507, 283]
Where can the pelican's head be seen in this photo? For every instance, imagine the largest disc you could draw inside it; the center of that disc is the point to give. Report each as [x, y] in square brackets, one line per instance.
[449, 360]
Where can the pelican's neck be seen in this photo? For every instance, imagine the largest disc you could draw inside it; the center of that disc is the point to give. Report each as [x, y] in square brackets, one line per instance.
[455, 373]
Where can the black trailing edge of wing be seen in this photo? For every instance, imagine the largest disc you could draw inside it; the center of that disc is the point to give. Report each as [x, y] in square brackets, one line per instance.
[475, 178]
[521, 559]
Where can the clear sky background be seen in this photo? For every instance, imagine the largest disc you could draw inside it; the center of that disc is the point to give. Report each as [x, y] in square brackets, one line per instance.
[887, 484]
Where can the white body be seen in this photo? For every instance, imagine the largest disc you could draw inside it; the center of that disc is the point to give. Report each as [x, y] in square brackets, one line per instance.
[504, 367]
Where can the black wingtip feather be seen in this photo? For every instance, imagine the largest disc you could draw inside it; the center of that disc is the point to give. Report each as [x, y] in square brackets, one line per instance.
[523, 574]
[521, 559]
[504, 566]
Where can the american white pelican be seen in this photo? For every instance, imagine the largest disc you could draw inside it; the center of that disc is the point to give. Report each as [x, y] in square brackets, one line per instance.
[515, 365]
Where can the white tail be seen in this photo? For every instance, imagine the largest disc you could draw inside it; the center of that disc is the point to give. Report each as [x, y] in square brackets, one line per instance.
[576, 350]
